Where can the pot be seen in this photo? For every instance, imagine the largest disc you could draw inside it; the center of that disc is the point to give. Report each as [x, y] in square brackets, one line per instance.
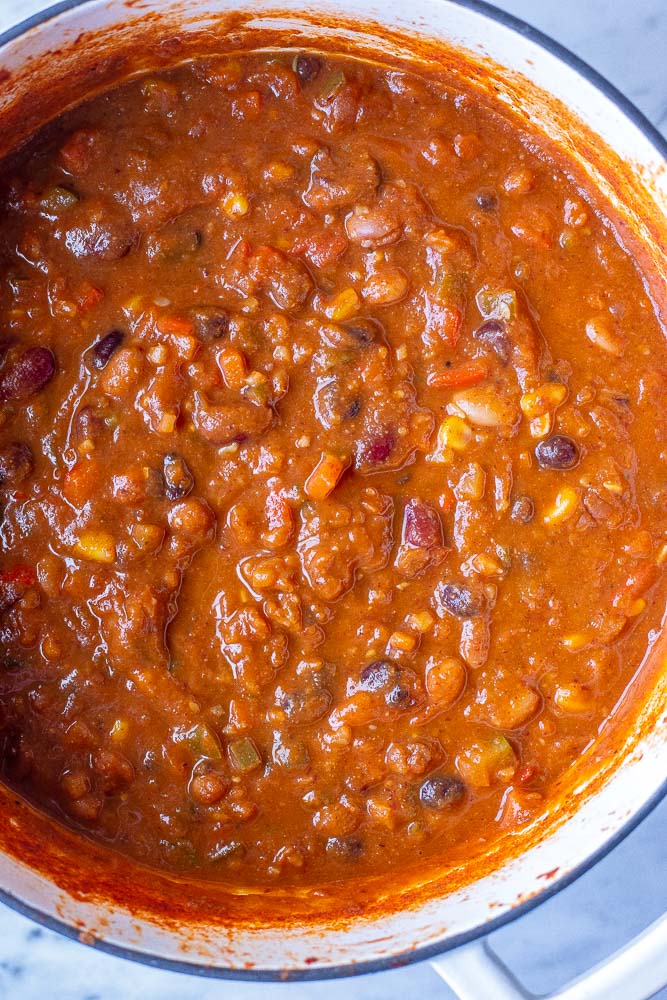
[79, 889]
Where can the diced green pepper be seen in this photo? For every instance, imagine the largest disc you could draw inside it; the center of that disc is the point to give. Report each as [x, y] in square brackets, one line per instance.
[243, 754]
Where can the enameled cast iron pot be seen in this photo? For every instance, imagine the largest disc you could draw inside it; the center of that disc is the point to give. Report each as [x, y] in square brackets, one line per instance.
[44, 872]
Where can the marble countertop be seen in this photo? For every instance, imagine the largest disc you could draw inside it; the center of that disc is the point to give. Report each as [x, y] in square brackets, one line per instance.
[569, 933]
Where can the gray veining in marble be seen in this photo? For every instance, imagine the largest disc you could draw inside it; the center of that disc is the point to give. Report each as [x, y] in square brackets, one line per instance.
[627, 42]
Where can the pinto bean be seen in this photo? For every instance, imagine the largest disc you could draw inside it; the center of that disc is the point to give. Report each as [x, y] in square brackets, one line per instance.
[229, 422]
[178, 480]
[459, 600]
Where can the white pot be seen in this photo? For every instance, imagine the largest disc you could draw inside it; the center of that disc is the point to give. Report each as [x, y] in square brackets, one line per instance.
[625, 157]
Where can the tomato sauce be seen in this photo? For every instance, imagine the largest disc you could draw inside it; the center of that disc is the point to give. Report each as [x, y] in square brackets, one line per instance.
[331, 463]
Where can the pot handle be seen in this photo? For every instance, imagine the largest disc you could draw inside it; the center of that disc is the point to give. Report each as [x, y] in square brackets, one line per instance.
[635, 972]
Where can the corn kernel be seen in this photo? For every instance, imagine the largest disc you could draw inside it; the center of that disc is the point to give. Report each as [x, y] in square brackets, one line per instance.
[487, 565]
[50, 648]
[637, 607]
[119, 730]
[86, 447]
[235, 204]
[614, 486]
[420, 622]
[662, 554]
[542, 400]
[573, 698]
[278, 172]
[157, 355]
[540, 426]
[471, 484]
[564, 507]
[402, 641]
[575, 640]
[98, 546]
[343, 306]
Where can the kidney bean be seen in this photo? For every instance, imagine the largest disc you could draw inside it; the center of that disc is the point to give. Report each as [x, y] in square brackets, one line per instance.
[30, 373]
[16, 463]
[422, 526]
[104, 349]
[88, 424]
[376, 448]
[440, 791]
[557, 452]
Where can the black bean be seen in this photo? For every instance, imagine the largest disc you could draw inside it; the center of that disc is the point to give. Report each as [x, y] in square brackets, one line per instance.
[362, 331]
[494, 336]
[211, 322]
[440, 791]
[557, 452]
[459, 600]
[376, 676]
[487, 201]
[307, 67]
[16, 463]
[398, 697]
[304, 705]
[106, 347]
[345, 847]
[178, 480]
[353, 410]
[30, 373]
[523, 510]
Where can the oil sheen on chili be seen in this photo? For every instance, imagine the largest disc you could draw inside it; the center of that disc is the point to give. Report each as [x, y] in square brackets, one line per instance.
[332, 472]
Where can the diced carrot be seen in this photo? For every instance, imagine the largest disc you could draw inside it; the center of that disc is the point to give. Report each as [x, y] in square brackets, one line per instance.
[79, 482]
[232, 365]
[325, 476]
[175, 324]
[456, 378]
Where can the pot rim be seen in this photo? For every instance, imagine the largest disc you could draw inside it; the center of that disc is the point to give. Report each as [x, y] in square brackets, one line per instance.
[412, 956]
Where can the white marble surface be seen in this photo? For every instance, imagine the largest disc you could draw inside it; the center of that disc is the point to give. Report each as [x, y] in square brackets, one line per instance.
[627, 42]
